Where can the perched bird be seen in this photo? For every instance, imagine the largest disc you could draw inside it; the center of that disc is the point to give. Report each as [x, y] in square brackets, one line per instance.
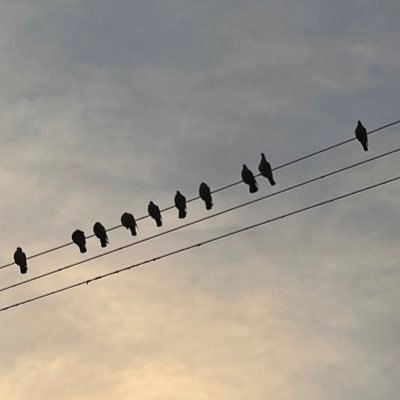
[248, 179]
[180, 204]
[205, 195]
[266, 170]
[20, 260]
[78, 237]
[361, 135]
[101, 233]
[154, 212]
[128, 221]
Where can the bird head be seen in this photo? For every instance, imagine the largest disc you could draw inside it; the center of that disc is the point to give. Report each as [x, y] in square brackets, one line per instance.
[19, 249]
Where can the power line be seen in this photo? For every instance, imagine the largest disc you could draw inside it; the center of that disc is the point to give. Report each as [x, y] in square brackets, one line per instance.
[199, 220]
[208, 241]
[216, 190]
[325, 149]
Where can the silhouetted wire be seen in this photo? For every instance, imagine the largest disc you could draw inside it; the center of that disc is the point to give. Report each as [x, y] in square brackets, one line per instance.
[215, 191]
[326, 175]
[208, 241]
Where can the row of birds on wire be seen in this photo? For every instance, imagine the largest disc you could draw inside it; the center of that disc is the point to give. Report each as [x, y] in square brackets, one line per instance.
[129, 222]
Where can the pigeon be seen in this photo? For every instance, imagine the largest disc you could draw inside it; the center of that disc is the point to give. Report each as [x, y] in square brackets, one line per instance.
[20, 260]
[129, 222]
[205, 195]
[248, 179]
[154, 212]
[266, 170]
[361, 135]
[101, 233]
[180, 204]
[78, 237]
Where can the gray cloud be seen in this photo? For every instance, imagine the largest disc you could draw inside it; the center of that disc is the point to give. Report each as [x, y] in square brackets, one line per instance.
[105, 106]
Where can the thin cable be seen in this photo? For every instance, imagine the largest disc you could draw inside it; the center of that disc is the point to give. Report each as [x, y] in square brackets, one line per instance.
[199, 220]
[214, 191]
[208, 241]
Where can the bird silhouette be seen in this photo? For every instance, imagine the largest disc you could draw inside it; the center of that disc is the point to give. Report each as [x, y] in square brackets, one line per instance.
[266, 170]
[180, 204]
[128, 221]
[205, 195]
[101, 233]
[154, 212]
[78, 237]
[248, 179]
[361, 135]
[20, 260]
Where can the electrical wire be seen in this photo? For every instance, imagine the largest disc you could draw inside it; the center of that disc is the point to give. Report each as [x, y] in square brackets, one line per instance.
[324, 176]
[215, 190]
[208, 241]
[200, 220]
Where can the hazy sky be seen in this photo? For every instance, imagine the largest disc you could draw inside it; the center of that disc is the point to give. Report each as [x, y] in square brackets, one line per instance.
[105, 105]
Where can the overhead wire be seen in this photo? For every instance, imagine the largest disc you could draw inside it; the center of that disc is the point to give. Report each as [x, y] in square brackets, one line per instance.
[208, 217]
[323, 150]
[202, 243]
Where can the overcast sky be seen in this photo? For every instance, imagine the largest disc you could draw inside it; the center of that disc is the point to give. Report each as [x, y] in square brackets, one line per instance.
[105, 105]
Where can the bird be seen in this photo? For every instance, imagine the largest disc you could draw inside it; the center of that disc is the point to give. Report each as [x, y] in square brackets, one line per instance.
[180, 204]
[362, 135]
[78, 237]
[128, 221]
[248, 179]
[266, 170]
[205, 195]
[20, 260]
[154, 212]
[101, 233]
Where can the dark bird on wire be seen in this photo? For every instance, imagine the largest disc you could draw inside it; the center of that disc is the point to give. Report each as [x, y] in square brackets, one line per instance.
[101, 233]
[361, 135]
[205, 195]
[128, 221]
[180, 204]
[266, 170]
[248, 179]
[78, 237]
[154, 212]
[20, 260]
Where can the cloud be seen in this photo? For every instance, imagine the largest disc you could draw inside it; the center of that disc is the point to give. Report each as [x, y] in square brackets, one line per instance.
[105, 106]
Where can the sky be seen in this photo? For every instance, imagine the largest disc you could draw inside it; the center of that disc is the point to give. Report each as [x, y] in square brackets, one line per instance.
[106, 105]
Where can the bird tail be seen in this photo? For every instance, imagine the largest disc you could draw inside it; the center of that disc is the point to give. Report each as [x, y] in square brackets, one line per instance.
[182, 213]
[209, 204]
[365, 146]
[104, 241]
[272, 181]
[23, 269]
[159, 222]
[133, 230]
[253, 187]
[82, 248]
